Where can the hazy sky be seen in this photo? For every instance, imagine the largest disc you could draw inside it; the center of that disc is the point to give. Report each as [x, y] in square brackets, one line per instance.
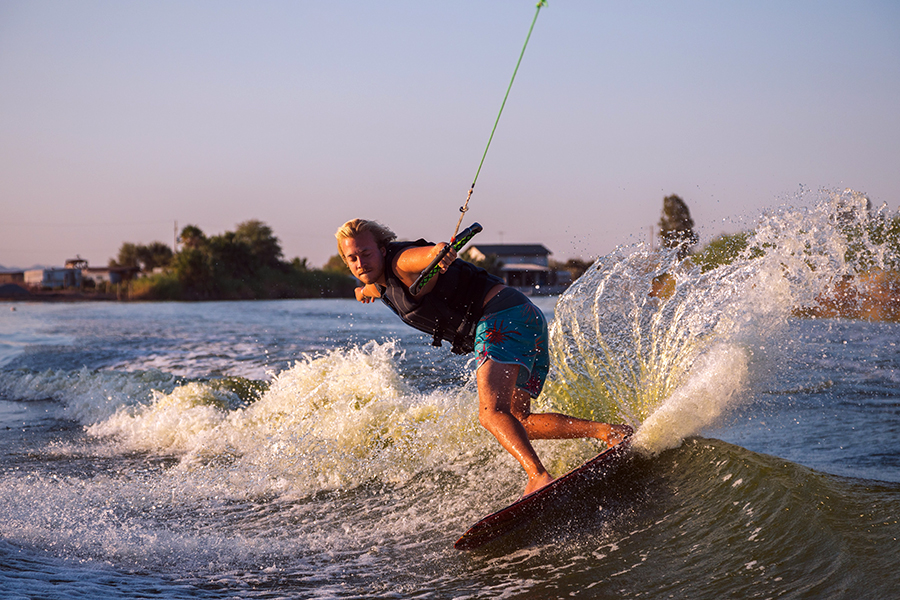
[119, 118]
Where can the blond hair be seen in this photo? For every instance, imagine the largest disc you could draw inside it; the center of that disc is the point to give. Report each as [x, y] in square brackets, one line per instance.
[355, 227]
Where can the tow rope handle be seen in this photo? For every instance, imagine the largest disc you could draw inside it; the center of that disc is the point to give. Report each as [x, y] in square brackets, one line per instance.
[431, 270]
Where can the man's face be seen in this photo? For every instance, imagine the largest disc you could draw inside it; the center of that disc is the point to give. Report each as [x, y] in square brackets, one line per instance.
[364, 257]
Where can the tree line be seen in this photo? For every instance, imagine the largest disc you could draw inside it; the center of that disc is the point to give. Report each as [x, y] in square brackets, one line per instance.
[247, 263]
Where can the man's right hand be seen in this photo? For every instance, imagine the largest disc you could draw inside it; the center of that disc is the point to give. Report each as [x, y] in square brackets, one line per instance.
[362, 296]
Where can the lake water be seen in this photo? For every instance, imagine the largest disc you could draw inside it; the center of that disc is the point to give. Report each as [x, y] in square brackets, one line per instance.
[320, 449]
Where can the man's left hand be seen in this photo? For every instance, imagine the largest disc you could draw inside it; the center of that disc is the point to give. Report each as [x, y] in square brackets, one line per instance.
[448, 259]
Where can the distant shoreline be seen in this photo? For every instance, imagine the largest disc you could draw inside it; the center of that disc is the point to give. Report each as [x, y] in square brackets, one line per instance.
[58, 296]
[73, 296]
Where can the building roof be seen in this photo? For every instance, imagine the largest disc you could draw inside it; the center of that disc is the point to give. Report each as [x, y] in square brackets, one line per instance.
[524, 267]
[11, 289]
[512, 249]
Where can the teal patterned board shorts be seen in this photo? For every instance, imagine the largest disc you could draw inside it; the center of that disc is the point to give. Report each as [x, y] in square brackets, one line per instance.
[516, 336]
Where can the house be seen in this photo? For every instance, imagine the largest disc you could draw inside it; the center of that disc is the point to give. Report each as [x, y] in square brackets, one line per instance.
[74, 274]
[53, 278]
[526, 267]
[97, 275]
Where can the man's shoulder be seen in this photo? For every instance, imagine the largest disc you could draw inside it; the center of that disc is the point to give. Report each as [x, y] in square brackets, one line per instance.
[402, 245]
[393, 251]
[395, 248]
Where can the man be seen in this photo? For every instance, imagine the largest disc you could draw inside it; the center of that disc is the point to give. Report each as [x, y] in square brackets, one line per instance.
[475, 311]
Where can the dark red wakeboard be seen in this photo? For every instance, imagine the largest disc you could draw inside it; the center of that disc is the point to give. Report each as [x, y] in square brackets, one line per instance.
[528, 507]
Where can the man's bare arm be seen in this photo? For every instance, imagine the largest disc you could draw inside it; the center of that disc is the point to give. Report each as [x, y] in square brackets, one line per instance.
[412, 261]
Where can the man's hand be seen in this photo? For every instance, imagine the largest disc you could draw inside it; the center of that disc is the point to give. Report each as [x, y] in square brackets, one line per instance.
[448, 259]
[362, 296]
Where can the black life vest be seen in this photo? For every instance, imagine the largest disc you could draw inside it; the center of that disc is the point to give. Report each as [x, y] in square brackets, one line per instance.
[448, 312]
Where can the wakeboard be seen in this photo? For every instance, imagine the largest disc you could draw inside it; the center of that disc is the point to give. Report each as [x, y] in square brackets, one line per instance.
[527, 508]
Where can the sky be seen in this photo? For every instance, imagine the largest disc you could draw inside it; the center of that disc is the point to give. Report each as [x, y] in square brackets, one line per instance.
[122, 120]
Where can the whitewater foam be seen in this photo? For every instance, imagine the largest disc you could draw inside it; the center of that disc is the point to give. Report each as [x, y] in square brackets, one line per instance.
[673, 363]
[334, 420]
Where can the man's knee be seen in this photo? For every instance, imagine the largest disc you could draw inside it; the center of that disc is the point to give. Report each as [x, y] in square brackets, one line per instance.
[521, 415]
[485, 418]
[494, 418]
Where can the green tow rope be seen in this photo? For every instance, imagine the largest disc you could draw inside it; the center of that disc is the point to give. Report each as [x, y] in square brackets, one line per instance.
[457, 244]
[465, 207]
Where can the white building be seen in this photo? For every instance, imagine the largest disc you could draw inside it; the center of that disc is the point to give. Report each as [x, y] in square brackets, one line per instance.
[526, 267]
[53, 278]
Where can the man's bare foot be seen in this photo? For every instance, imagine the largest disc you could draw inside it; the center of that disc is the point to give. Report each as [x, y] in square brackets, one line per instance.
[616, 433]
[537, 482]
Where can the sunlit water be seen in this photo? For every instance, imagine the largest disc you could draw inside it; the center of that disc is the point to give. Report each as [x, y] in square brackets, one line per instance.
[319, 449]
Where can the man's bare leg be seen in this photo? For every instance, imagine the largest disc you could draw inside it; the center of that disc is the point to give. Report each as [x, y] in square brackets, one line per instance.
[555, 426]
[505, 411]
[496, 388]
